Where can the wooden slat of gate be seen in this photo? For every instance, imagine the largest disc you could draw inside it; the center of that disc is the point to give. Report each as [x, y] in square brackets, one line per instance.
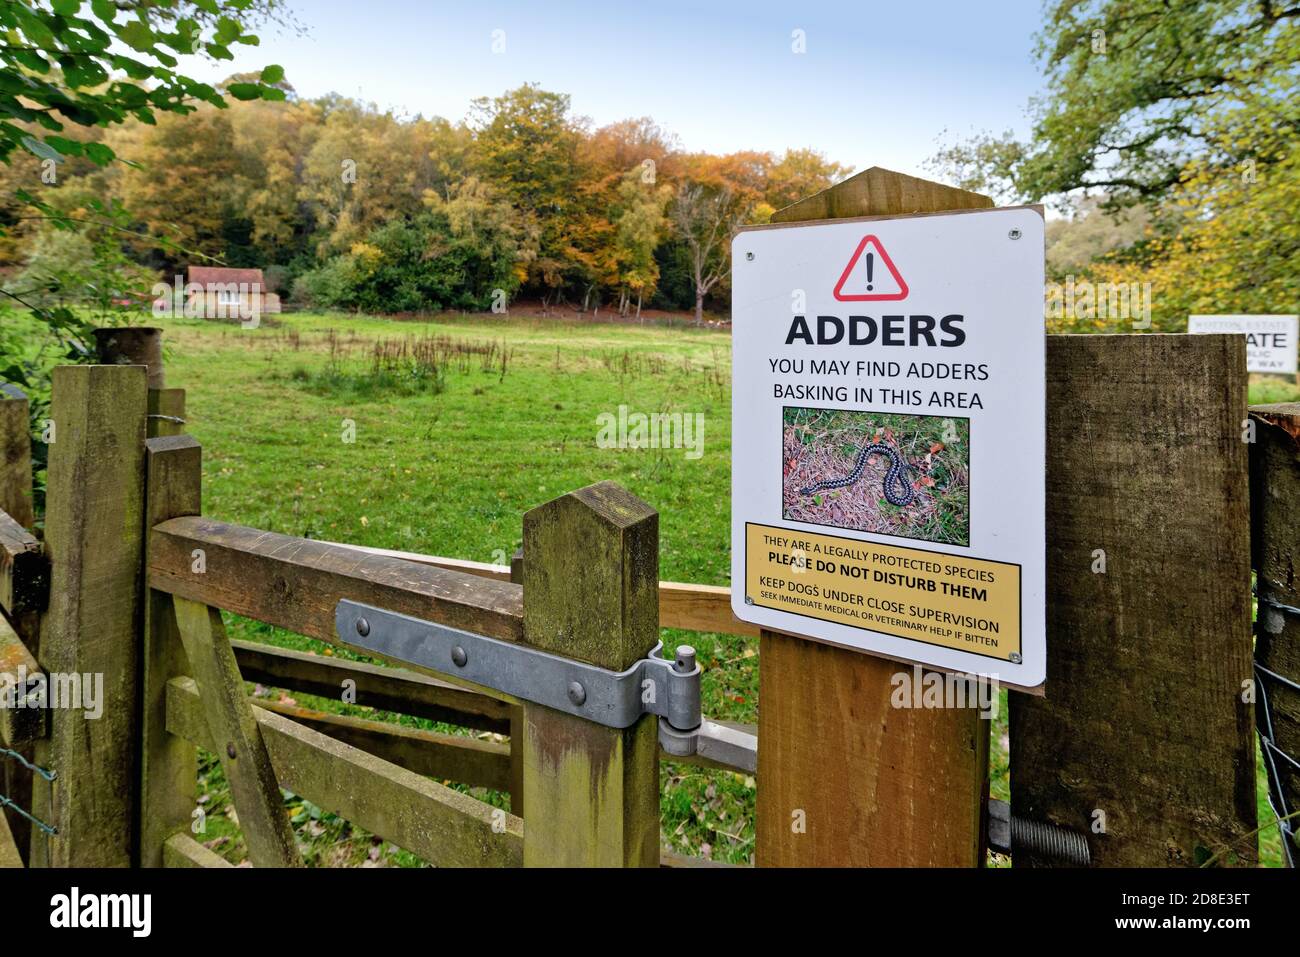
[235, 734]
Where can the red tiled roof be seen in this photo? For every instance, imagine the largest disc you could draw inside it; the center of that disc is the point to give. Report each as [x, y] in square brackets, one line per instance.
[206, 274]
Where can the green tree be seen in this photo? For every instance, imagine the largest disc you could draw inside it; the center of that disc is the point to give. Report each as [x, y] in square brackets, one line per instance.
[69, 66]
[366, 168]
[464, 252]
[1139, 89]
[269, 140]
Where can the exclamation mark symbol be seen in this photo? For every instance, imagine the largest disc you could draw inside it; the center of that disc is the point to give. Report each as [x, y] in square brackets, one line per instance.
[871, 264]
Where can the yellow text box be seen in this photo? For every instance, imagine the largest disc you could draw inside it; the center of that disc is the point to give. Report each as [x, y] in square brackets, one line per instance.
[970, 604]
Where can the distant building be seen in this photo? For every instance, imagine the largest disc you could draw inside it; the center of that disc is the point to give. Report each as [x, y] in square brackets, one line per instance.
[215, 292]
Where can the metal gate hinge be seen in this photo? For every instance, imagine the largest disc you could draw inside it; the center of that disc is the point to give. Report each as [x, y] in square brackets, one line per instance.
[669, 688]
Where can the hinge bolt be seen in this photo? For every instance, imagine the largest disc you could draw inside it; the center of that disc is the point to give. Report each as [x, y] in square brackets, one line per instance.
[685, 663]
[577, 693]
[363, 627]
[458, 656]
[230, 750]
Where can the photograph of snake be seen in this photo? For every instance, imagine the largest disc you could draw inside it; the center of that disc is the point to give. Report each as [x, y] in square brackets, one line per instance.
[882, 472]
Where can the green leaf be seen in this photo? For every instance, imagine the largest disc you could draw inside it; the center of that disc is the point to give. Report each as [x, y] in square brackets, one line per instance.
[65, 146]
[228, 30]
[99, 153]
[14, 373]
[133, 68]
[66, 8]
[273, 74]
[137, 36]
[245, 91]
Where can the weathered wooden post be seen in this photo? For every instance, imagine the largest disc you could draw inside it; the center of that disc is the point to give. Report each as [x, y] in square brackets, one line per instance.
[1145, 740]
[844, 779]
[16, 502]
[15, 457]
[168, 764]
[94, 525]
[1275, 527]
[591, 592]
[517, 716]
[131, 346]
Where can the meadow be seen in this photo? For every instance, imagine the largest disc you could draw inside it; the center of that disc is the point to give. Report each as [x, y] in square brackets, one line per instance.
[435, 437]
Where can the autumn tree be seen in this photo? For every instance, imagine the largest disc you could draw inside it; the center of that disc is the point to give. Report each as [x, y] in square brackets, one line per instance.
[526, 145]
[704, 217]
[364, 169]
[640, 224]
[800, 173]
[179, 185]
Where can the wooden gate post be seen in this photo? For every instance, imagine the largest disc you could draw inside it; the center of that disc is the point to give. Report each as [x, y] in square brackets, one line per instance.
[843, 778]
[1275, 541]
[16, 502]
[94, 529]
[517, 716]
[591, 592]
[1145, 739]
[15, 458]
[169, 764]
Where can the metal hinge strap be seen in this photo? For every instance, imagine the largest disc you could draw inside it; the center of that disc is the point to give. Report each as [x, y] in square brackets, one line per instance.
[654, 685]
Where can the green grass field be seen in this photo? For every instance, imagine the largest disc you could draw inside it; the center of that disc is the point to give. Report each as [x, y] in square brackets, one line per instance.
[306, 431]
[438, 444]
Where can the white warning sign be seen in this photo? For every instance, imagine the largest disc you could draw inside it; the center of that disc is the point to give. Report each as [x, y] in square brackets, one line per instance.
[888, 437]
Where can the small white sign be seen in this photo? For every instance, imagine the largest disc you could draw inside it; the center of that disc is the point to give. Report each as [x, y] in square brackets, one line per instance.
[888, 437]
[1270, 340]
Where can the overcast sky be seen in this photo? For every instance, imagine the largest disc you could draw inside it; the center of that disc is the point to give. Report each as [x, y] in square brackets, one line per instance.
[879, 83]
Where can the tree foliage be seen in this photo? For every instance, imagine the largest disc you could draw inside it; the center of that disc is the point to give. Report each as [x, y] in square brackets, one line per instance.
[102, 62]
[1138, 91]
[1190, 111]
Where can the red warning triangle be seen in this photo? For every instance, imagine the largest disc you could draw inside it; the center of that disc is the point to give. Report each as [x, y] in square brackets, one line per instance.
[870, 276]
